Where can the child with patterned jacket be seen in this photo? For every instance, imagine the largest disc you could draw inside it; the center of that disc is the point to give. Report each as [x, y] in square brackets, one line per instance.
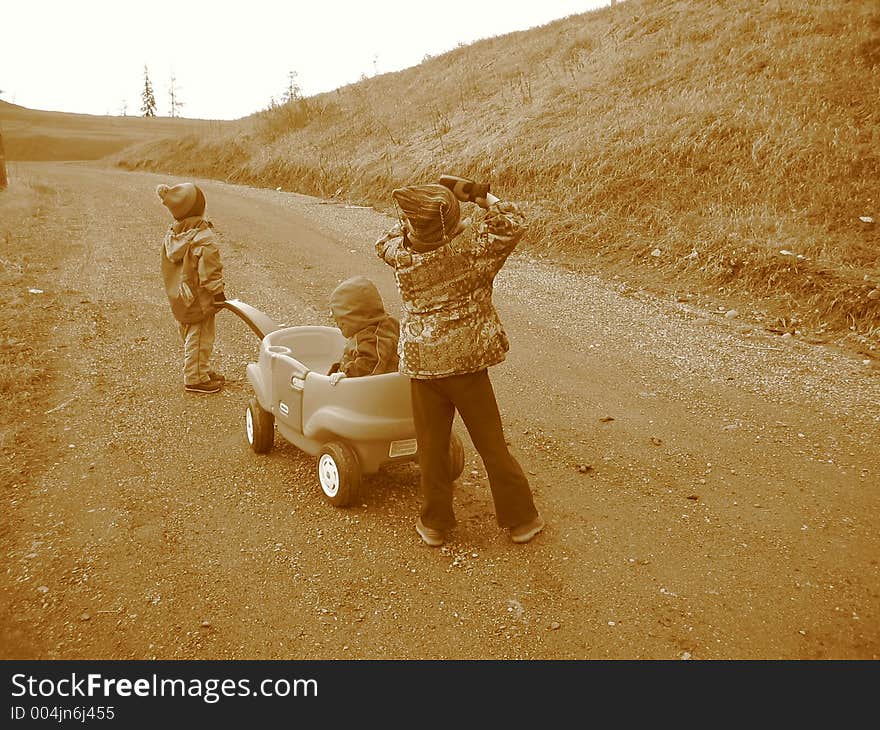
[450, 334]
[371, 347]
[193, 276]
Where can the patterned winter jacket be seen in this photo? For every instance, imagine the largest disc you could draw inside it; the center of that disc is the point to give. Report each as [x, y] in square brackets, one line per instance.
[371, 347]
[449, 325]
[191, 269]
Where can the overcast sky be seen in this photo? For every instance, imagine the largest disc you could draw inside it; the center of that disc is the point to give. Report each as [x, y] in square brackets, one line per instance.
[230, 58]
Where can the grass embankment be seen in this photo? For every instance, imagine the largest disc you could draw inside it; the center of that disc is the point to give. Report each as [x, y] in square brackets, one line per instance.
[688, 144]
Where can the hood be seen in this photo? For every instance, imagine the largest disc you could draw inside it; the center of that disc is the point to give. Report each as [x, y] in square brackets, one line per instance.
[182, 234]
[356, 303]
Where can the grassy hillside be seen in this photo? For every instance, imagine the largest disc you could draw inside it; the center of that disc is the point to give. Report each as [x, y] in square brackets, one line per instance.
[729, 146]
[31, 134]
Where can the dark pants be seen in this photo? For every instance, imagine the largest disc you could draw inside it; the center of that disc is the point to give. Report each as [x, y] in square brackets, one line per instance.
[434, 404]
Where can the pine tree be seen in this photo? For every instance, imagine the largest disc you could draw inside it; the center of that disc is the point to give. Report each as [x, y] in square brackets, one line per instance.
[148, 107]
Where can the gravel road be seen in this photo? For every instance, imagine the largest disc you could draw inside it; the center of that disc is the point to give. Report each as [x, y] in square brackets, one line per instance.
[711, 489]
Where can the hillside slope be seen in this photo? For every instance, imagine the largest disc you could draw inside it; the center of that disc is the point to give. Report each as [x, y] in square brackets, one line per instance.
[33, 134]
[729, 146]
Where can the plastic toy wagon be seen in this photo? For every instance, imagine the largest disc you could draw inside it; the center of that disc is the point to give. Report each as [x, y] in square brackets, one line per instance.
[353, 428]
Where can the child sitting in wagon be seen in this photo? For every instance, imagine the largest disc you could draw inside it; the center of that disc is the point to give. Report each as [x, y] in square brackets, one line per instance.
[373, 334]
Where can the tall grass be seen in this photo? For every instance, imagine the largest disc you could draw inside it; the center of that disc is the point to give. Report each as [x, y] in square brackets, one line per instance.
[686, 142]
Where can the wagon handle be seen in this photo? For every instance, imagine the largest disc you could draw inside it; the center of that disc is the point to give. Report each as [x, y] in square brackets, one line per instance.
[261, 324]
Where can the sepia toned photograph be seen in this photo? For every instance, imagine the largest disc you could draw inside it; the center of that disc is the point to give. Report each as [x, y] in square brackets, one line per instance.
[448, 331]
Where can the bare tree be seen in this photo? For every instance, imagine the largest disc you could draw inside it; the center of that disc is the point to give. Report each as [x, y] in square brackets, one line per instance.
[4, 181]
[174, 94]
[293, 91]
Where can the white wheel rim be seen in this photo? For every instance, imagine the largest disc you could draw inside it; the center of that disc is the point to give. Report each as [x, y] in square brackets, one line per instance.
[328, 474]
[249, 426]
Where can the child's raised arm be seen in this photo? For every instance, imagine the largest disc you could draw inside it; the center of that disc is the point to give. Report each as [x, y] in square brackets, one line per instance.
[386, 245]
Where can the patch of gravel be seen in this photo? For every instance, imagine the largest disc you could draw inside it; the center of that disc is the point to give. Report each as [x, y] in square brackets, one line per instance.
[696, 343]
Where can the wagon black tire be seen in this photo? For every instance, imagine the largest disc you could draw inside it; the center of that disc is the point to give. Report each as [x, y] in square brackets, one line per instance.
[456, 457]
[339, 473]
[259, 427]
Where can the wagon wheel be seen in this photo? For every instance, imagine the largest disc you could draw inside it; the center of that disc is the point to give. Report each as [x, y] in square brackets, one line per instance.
[260, 427]
[456, 457]
[339, 473]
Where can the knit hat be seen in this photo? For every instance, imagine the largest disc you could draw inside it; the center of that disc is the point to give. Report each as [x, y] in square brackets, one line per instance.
[183, 200]
[432, 210]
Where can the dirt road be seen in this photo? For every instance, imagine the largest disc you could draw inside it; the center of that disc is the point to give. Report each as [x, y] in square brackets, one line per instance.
[712, 490]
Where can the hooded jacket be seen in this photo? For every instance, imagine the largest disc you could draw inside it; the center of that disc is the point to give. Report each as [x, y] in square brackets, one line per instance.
[371, 347]
[191, 269]
[449, 325]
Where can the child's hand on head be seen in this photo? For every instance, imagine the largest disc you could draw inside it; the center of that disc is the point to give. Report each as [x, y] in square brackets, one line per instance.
[467, 191]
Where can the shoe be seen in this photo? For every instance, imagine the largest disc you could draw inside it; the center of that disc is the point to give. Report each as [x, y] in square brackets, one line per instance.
[209, 386]
[216, 376]
[430, 536]
[524, 533]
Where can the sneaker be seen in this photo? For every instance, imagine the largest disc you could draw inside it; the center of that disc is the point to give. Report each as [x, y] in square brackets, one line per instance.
[216, 376]
[209, 386]
[524, 533]
[430, 536]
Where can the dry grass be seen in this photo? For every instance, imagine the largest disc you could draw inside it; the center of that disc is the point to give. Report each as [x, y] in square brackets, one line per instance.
[717, 133]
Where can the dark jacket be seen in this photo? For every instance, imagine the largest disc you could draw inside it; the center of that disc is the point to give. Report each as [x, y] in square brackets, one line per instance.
[371, 348]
